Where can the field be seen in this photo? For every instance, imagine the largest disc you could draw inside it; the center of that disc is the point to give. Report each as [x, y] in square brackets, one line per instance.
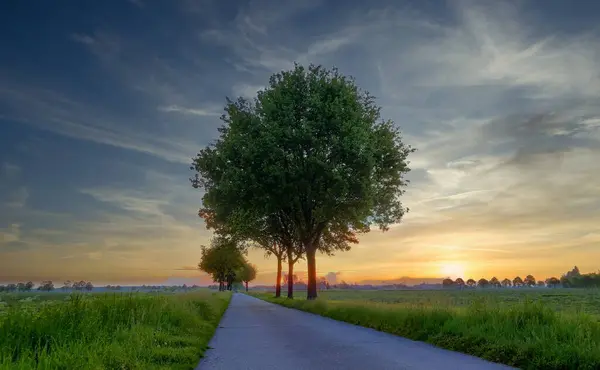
[525, 328]
[107, 331]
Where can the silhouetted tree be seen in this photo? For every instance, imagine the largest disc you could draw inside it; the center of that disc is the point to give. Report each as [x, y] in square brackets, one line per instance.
[46, 286]
[471, 283]
[447, 283]
[495, 283]
[517, 282]
[552, 282]
[541, 283]
[529, 281]
[89, 286]
[506, 283]
[483, 283]
[459, 282]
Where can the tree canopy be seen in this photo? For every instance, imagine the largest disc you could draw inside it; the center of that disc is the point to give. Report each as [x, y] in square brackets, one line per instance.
[309, 160]
[247, 273]
[221, 260]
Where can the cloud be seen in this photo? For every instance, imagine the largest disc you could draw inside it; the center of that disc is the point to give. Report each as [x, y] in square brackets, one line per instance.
[11, 234]
[191, 111]
[51, 111]
[246, 90]
[138, 3]
[187, 268]
[10, 171]
[83, 38]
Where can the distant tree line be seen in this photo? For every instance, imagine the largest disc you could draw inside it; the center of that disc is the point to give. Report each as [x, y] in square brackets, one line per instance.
[19, 287]
[78, 285]
[572, 279]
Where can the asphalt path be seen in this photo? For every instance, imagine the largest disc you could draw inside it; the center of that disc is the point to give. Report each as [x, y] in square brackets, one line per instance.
[254, 334]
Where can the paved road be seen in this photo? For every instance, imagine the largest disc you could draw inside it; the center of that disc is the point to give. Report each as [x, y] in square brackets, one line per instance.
[254, 334]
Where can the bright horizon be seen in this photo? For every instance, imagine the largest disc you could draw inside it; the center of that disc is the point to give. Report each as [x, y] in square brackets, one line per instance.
[103, 107]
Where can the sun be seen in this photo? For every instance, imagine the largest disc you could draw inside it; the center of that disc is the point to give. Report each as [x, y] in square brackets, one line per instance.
[452, 269]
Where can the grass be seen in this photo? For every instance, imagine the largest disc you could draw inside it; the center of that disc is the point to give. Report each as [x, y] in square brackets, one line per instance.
[108, 331]
[524, 329]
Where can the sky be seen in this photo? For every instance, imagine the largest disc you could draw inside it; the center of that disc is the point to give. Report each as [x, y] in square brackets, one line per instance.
[104, 103]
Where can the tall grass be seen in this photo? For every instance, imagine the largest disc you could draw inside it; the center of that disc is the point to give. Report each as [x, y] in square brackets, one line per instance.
[112, 331]
[528, 335]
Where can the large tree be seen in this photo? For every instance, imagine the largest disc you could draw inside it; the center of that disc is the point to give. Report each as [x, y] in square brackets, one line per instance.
[221, 260]
[311, 149]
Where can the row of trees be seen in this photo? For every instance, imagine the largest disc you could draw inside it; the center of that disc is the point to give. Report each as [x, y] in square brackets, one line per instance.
[26, 287]
[78, 285]
[529, 281]
[225, 262]
[20, 287]
[301, 169]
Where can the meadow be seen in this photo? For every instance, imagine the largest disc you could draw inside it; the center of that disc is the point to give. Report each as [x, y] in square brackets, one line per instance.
[107, 331]
[525, 328]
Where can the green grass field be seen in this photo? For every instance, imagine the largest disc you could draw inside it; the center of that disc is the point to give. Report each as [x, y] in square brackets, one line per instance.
[107, 331]
[525, 328]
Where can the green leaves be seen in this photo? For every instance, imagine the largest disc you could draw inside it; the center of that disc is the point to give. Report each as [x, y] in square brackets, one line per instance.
[223, 257]
[308, 162]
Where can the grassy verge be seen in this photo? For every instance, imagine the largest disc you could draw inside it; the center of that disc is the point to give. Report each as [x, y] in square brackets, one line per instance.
[111, 331]
[529, 335]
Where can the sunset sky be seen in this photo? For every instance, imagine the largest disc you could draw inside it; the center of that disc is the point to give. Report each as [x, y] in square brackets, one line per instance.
[104, 103]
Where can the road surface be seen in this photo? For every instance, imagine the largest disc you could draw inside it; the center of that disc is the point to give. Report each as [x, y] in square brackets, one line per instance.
[254, 334]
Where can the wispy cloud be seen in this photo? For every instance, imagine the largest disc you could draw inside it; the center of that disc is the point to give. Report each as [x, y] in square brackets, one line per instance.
[191, 111]
[51, 111]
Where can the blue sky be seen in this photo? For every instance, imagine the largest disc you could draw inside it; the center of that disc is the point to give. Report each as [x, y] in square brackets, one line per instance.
[103, 104]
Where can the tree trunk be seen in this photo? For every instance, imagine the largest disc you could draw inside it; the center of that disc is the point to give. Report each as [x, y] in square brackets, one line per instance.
[311, 291]
[278, 281]
[246, 286]
[290, 289]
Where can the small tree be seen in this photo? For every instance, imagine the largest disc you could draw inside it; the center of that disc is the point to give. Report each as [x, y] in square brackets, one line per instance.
[494, 282]
[471, 283]
[459, 282]
[221, 260]
[483, 283]
[67, 285]
[46, 286]
[89, 286]
[529, 281]
[517, 282]
[247, 273]
[552, 282]
[506, 283]
[447, 283]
